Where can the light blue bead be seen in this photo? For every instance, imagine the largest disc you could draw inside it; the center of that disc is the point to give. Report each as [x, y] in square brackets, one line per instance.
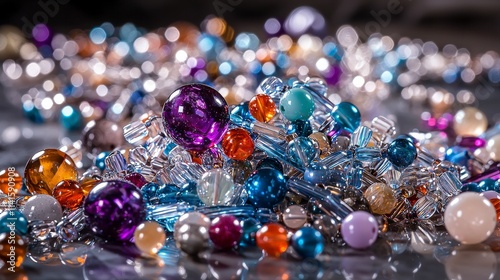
[308, 242]
[149, 192]
[297, 104]
[13, 220]
[361, 136]
[250, 226]
[240, 116]
[167, 194]
[347, 115]
[71, 118]
[487, 184]
[401, 153]
[100, 160]
[458, 155]
[266, 188]
[302, 150]
[189, 194]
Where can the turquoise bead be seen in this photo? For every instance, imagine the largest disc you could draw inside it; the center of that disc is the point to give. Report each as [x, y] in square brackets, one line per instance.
[347, 115]
[15, 218]
[308, 242]
[470, 187]
[250, 227]
[401, 153]
[487, 184]
[71, 118]
[100, 160]
[297, 104]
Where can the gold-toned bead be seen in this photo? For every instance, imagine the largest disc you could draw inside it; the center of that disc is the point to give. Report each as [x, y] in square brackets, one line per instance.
[381, 198]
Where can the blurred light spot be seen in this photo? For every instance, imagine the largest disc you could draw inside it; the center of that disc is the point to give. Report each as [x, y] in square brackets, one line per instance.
[141, 45]
[172, 34]
[97, 35]
[272, 26]
[11, 134]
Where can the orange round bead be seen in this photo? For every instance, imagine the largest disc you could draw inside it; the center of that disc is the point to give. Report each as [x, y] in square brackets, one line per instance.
[237, 144]
[262, 107]
[12, 249]
[69, 194]
[273, 239]
[496, 204]
[10, 178]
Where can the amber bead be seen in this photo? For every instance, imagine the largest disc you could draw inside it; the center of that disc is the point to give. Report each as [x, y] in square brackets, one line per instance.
[10, 178]
[496, 204]
[46, 169]
[262, 107]
[273, 239]
[69, 194]
[12, 250]
[323, 143]
[381, 198]
[88, 183]
[237, 144]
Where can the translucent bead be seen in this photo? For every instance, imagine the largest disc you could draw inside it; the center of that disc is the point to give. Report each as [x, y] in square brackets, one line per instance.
[116, 162]
[154, 125]
[239, 170]
[156, 145]
[268, 130]
[179, 154]
[327, 226]
[367, 154]
[347, 115]
[470, 121]
[302, 151]
[40, 230]
[149, 237]
[449, 184]
[317, 173]
[337, 158]
[383, 128]
[272, 85]
[135, 132]
[340, 143]
[294, 217]
[262, 107]
[361, 136]
[138, 156]
[401, 153]
[425, 207]
[273, 239]
[323, 143]
[42, 207]
[381, 198]
[10, 181]
[240, 116]
[237, 144]
[215, 187]
[69, 194]
[186, 172]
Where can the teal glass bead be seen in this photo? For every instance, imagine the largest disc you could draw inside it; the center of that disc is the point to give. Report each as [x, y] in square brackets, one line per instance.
[13, 220]
[308, 242]
[188, 193]
[401, 153]
[250, 227]
[300, 127]
[487, 184]
[71, 118]
[297, 104]
[166, 194]
[470, 187]
[149, 193]
[302, 150]
[266, 188]
[100, 160]
[347, 115]
[240, 116]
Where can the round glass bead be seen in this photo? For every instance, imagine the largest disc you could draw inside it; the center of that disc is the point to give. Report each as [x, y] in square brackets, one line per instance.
[487, 184]
[262, 107]
[317, 173]
[469, 121]
[470, 187]
[196, 117]
[297, 104]
[225, 231]
[191, 233]
[327, 226]
[299, 127]
[359, 229]
[401, 153]
[493, 147]
[136, 179]
[307, 242]
[347, 115]
[114, 209]
[266, 188]
[470, 218]
[215, 187]
[250, 226]
[381, 198]
[13, 220]
[239, 170]
[9, 259]
[47, 168]
[294, 217]
[273, 239]
[240, 115]
[149, 237]
[100, 160]
[10, 181]
[237, 144]
[69, 194]
[302, 151]
[42, 207]
[102, 136]
[88, 183]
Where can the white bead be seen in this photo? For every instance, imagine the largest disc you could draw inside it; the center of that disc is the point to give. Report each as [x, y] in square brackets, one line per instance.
[470, 122]
[470, 218]
[493, 147]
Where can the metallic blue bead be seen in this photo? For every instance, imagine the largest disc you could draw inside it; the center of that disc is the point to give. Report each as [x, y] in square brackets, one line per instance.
[270, 163]
[250, 227]
[100, 160]
[240, 116]
[401, 153]
[308, 242]
[302, 150]
[470, 187]
[15, 218]
[71, 118]
[317, 173]
[149, 192]
[457, 155]
[299, 127]
[266, 188]
[347, 115]
[166, 194]
[487, 184]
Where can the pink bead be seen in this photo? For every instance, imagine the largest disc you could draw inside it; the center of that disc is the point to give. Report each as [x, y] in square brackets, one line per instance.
[225, 231]
[472, 142]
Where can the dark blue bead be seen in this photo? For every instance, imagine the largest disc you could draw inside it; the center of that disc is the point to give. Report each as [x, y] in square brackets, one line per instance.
[250, 227]
[301, 128]
[266, 188]
[317, 173]
[270, 163]
[100, 160]
[470, 187]
[188, 194]
[487, 185]
[308, 242]
[15, 218]
[136, 97]
[401, 153]
[348, 115]
[457, 155]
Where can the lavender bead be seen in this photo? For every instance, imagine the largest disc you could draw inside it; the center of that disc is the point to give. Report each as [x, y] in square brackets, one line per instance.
[359, 229]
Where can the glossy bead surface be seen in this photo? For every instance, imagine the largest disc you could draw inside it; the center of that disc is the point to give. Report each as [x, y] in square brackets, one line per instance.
[494, 198]
[13, 220]
[102, 136]
[69, 194]
[225, 231]
[270, 163]
[297, 104]
[100, 160]
[237, 144]
[191, 233]
[299, 127]
[12, 258]
[308, 242]
[215, 187]
[136, 179]
[469, 121]
[294, 217]
[47, 168]
[327, 226]
[149, 237]
[250, 226]
[401, 153]
[114, 209]
[266, 187]
[302, 150]
[272, 238]
[317, 173]
[322, 141]
[359, 229]
[470, 218]
[10, 181]
[196, 117]
[88, 183]
[493, 147]
[381, 198]
[347, 115]
[487, 184]
[262, 107]
[42, 207]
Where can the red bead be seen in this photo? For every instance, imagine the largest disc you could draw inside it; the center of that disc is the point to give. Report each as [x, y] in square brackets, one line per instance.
[237, 144]
[69, 194]
[225, 231]
[137, 179]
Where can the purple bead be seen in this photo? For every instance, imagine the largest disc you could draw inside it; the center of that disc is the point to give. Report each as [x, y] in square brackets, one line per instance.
[114, 209]
[332, 76]
[490, 194]
[493, 173]
[137, 179]
[472, 142]
[196, 117]
[359, 229]
[225, 231]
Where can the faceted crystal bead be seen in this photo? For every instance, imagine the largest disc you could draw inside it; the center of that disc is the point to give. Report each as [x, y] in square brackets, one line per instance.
[156, 145]
[383, 128]
[116, 162]
[272, 85]
[215, 187]
[425, 207]
[135, 132]
[138, 156]
[449, 185]
[381, 198]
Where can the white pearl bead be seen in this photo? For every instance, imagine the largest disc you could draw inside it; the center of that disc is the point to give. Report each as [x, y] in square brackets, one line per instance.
[493, 147]
[470, 122]
[470, 218]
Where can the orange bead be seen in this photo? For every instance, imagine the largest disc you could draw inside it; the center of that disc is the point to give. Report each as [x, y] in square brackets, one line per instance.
[496, 204]
[262, 107]
[12, 251]
[237, 144]
[88, 183]
[69, 194]
[10, 181]
[273, 239]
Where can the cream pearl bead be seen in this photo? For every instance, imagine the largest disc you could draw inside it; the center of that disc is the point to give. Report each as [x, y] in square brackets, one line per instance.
[493, 147]
[470, 121]
[470, 218]
[149, 237]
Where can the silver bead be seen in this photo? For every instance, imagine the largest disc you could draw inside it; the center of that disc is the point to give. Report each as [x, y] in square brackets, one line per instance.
[192, 239]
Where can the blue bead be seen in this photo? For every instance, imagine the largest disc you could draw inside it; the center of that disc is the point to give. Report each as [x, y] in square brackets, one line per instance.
[32, 113]
[297, 104]
[470, 187]
[487, 185]
[401, 153]
[71, 118]
[270, 163]
[361, 136]
[100, 160]
[189, 194]
[299, 127]
[250, 227]
[457, 155]
[302, 150]
[166, 194]
[149, 192]
[136, 97]
[317, 173]
[15, 218]
[308, 242]
[240, 116]
[347, 115]
[266, 188]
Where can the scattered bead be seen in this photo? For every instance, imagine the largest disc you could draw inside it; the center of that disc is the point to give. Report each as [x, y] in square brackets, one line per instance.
[225, 231]
[149, 237]
[273, 239]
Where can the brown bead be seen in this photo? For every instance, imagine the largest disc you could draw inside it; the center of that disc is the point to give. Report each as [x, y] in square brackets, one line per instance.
[262, 107]
[496, 204]
[381, 198]
[69, 194]
[12, 250]
[237, 144]
[10, 181]
[46, 169]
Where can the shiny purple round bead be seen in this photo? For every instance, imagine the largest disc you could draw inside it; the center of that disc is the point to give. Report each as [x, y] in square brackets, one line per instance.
[196, 117]
[114, 209]
[137, 179]
[472, 142]
[225, 231]
[359, 229]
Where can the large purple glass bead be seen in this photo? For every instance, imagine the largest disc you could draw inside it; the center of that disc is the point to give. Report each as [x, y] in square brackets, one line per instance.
[359, 229]
[114, 209]
[196, 117]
